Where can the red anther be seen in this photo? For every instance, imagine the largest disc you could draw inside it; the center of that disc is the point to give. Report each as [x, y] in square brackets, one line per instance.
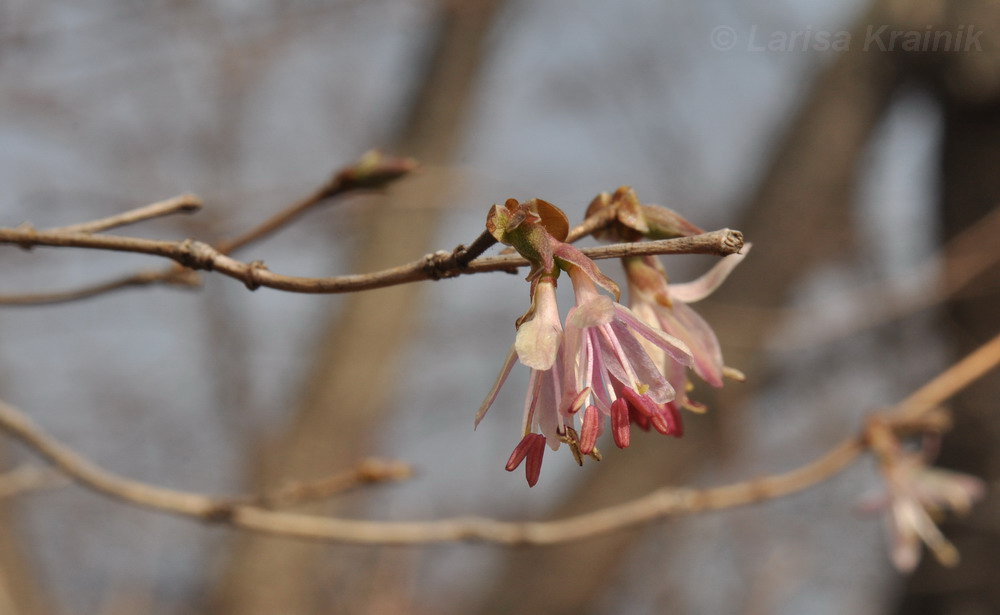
[588, 433]
[520, 451]
[674, 418]
[533, 467]
[642, 403]
[641, 420]
[660, 424]
[620, 422]
[578, 401]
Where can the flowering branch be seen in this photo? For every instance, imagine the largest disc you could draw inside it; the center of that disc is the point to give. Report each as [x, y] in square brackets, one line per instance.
[201, 256]
[658, 504]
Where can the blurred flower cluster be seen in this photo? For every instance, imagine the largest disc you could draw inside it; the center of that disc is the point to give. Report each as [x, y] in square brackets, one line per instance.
[607, 366]
[918, 496]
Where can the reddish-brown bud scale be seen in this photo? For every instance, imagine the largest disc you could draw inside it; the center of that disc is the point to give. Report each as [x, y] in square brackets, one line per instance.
[620, 423]
[588, 432]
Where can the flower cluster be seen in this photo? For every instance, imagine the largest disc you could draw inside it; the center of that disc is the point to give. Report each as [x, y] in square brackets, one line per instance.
[608, 366]
[917, 497]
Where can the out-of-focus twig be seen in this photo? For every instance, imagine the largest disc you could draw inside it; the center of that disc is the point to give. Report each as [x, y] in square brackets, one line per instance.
[658, 504]
[369, 471]
[26, 478]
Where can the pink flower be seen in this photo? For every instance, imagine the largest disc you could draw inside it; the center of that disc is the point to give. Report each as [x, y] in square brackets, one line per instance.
[609, 370]
[598, 362]
[538, 345]
[665, 306]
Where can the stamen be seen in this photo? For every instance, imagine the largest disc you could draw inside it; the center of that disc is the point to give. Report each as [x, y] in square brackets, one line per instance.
[620, 423]
[588, 432]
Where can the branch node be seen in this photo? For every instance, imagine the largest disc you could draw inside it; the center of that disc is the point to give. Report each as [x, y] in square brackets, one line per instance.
[253, 270]
[220, 512]
[440, 265]
[196, 255]
[30, 235]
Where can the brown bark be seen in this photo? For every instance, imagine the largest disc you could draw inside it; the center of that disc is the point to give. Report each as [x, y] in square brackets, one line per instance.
[346, 396]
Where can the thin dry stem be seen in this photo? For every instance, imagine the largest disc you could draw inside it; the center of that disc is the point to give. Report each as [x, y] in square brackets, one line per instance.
[185, 203]
[26, 478]
[960, 375]
[368, 472]
[342, 182]
[201, 256]
[658, 504]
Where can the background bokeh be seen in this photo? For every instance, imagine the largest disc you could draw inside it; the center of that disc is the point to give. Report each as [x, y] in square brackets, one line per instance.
[848, 170]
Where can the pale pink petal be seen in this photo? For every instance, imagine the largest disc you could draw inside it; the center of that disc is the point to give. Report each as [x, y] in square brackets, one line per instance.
[547, 415]
[905, 545]
[696, 290]
[508, 364]
[684, 323]
[538, 340]
[645, 370]
[673, 346]
[599, 310]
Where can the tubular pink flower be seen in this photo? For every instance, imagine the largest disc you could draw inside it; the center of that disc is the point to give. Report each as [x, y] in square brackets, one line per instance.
[607, 364]
[599, 360]
[664, 306]
[538, 339]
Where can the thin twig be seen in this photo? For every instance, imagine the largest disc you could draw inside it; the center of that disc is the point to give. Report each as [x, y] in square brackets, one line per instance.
[26, 478]
[329, 190]
[658, 504]
[960, 375]
[373, 170]
[201, 256]
[368, 472]
[185, 203]
[175, 276]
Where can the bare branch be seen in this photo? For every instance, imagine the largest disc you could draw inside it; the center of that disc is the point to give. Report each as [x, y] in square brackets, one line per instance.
[176, 276]
[372, 171]
[26, 478]
[368, 472]
[658, 504]
[201, 256]
[960, 375]
[185, 203]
